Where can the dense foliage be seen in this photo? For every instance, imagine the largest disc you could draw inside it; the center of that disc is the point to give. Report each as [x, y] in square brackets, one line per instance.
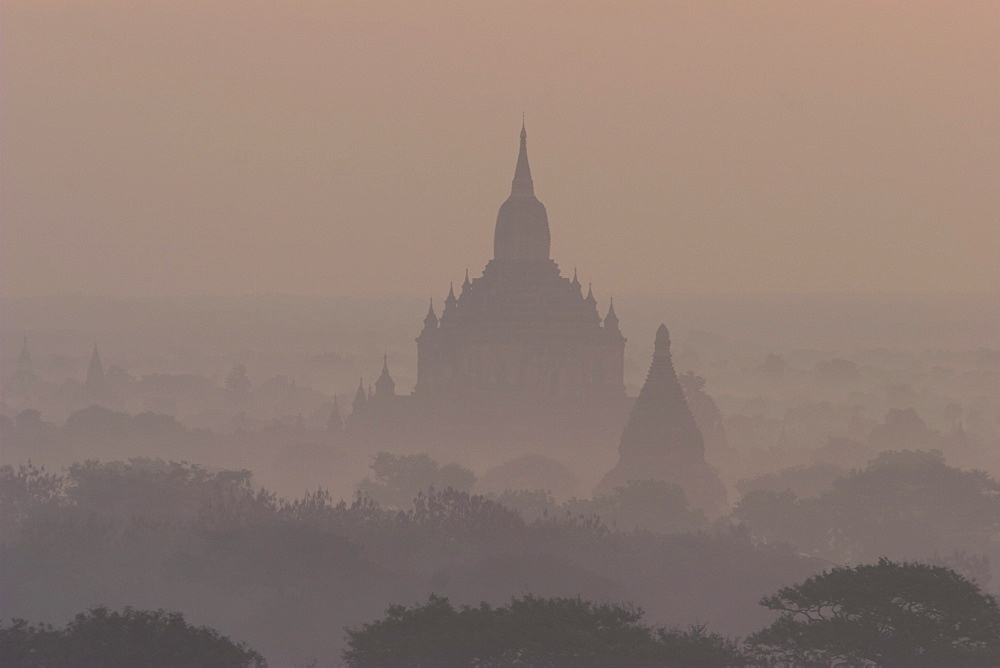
[907, 503]
[283, 573]
[530, 631]
[106, 638]
[889, 613]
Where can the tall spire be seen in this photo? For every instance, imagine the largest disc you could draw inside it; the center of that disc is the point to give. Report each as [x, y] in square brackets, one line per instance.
[24, 377]
[450, 300]
[522, 230]
[466, 283]
[24, 359]
[522, 185]
[335, 423]
[95, 372]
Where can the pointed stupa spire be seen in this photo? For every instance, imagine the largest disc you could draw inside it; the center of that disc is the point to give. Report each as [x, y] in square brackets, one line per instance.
[661, 420]
[522, 230]
[661, 345]
[385, 386]
[522, 184]
[661, 440]
[336, 422]
[590, 294]
[466, 283]
[611, 319]
[431, 319]
[451, 300]
[359, 398]
[95, 371]
[576, 281]
[24, 376]
[24, 359]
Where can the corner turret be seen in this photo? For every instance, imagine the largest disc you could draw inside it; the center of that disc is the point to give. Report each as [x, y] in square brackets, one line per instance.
[611, 319]
[359, 398]
[431, 319]
[385, 386]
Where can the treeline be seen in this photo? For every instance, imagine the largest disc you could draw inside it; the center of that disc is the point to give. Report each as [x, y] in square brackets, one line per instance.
[282, 573]
[887, 613]
[241, 558]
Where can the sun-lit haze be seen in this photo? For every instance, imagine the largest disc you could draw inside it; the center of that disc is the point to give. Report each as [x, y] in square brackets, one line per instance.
[362, 149]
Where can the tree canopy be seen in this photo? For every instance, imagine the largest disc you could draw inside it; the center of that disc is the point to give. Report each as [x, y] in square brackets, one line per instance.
[888, 613]
[529, 631]
[910, 503]
[101, 637]
[399, 478]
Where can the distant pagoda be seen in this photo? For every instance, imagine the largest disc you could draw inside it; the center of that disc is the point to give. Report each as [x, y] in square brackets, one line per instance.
[95, 386]
[661, 440]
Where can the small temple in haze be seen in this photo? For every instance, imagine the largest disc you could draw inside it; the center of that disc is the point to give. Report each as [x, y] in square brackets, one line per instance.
[661, 439]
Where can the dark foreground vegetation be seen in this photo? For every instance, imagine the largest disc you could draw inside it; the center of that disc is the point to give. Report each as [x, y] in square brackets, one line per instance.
[886, 614]
[101, 637]
[531, 631]
[288, 575]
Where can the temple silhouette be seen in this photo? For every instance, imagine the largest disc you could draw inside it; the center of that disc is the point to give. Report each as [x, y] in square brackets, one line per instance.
[520, 362]
[520, 335]
[521, 331]
[662, 441]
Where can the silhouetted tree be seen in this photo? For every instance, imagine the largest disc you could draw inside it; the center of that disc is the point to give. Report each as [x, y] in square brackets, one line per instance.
[531, 504]
[26, 491]
[398, 478]
[652, 505]
[238, 384]
[529, 631]
[802, 480]
[152, 488]
[890, 613]
[909, 502]
[101, 637]
[529, 472]
[774, 366]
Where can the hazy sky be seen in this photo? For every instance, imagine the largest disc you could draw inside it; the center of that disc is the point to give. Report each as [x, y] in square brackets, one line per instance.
[235, 146]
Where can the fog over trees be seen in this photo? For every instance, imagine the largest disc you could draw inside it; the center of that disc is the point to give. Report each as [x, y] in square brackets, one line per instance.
[237, 500]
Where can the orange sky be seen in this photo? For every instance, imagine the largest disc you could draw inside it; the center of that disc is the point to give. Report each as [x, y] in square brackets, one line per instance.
[317, 147]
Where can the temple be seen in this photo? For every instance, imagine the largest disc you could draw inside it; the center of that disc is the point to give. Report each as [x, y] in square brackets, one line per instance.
[517, 360]
[521, 331]
[662, 440]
